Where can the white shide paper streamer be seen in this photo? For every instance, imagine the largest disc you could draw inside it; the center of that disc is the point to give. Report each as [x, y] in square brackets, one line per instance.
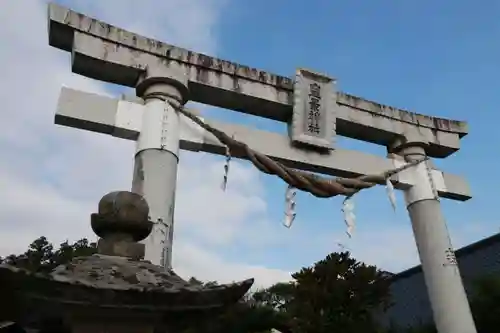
[349, 217]
[226, 168]
[390, 193]
[289, 206]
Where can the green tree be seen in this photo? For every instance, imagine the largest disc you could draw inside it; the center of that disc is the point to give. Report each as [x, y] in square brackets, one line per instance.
[245, 316]
[337, 294]
[276, 297]
[41, 256]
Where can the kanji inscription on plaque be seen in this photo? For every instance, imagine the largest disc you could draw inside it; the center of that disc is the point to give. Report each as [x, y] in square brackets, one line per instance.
[313, 121]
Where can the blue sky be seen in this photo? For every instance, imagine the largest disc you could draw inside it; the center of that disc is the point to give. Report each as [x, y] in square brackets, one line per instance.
[436, 58]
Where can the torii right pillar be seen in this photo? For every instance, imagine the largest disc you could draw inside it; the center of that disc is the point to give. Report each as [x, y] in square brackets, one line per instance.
[446, 292]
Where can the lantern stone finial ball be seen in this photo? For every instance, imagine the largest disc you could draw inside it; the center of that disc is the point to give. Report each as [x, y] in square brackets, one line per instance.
[122, 214]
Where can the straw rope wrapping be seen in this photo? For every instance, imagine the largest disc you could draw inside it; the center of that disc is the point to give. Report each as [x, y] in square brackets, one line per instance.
[308, 182]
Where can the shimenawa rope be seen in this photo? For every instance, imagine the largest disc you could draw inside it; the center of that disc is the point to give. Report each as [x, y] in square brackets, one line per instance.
[316, 185]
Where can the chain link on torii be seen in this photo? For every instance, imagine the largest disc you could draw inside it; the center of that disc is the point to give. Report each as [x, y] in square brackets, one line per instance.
[316, 185]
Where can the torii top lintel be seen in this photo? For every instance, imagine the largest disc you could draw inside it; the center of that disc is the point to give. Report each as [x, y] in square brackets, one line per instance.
[104, 52]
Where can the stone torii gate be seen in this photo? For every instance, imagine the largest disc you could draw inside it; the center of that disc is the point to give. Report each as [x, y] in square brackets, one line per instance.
[166, 76]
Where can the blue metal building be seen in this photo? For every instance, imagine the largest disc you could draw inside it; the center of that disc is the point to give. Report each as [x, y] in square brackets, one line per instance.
[409, 294]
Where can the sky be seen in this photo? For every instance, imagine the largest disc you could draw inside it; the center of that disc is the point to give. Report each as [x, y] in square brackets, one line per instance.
[436, 58]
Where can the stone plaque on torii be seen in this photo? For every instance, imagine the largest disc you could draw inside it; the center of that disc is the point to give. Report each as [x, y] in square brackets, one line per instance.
[166, 77]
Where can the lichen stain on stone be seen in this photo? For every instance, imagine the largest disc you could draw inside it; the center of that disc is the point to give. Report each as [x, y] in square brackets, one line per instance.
[218, 66]
[91, 24]
[441, 124]
[205, 61]
[79, 18]
[263, 76]
[193, 58]
[105, 51]
[236, 84]
[135, 56]
[391, 112]
[435, 135]
[167, 53]
[105, 28]
[284, 82]
[189, 57]
[164, 61]
[218, 78]
[228, 67]
[289, 98]
[202, 75]
[150, 43]
[242, 71]
[159, 45]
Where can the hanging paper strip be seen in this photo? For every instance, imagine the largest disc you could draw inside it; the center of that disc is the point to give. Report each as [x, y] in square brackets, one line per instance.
[226, 168]
[390, 193]
[349, 217]
[289, 206]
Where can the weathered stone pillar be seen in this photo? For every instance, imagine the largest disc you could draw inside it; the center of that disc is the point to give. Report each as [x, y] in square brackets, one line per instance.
[447, 296]
[157, 156]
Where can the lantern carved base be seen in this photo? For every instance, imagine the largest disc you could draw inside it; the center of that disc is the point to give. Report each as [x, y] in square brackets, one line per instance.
[114, 290]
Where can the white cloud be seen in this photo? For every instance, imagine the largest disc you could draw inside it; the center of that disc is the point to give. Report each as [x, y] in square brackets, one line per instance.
[51, 178]
[242, 201]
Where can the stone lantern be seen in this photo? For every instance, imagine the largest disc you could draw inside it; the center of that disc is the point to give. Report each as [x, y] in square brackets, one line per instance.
[114, 290]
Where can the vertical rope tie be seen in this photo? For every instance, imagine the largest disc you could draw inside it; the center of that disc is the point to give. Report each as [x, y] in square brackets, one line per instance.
[431, 180]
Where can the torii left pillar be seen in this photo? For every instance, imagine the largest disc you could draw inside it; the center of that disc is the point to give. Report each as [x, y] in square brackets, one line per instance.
[157, 157]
